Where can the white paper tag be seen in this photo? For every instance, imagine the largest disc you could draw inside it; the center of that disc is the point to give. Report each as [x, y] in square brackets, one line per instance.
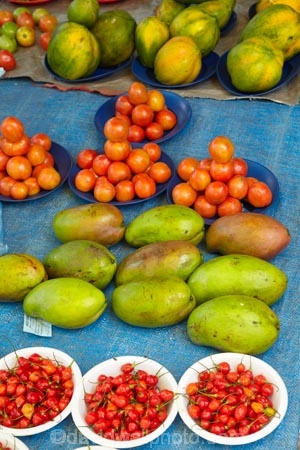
[37, 326]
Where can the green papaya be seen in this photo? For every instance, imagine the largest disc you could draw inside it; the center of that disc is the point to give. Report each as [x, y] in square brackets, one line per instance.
[86, 260]
[99, 222]
[238, 274]
[19, 273]
[65, 302]
[168, 258]
[235, 323]
[165, 223]
[153, 302]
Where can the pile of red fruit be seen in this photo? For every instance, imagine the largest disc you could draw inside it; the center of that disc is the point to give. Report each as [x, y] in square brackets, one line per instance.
[230, 402]
[33, 392]
[127, 406]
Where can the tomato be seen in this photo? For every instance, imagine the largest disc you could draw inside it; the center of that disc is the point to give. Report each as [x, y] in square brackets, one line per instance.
[17, 148]
[142, 115]
[25, 36]
[154, 151]
[7, 60]
[20, 10]
[85, 180]
[43, 139]
[6, 184]
[221, 149]
[25, 19]
[48, 178]
[144, 186]
[160, 172]
[136, 133]
[199, 179]
[184, 194]
[9, 29]
[45, 39]
[221, 171]
[117, 171]
[104, 191]
[154, 131]
[116, 129]
[33, 186]
[138, 160]
[259, 194]
[6, 16]
[49, 160]
[186, 166]
[216, 192]
[205, 163]
[19, 167]
[3, 160]
[156, 100]
[238, 186]
[137, 93]
[204, 208]
[85, 158]
[117, 151]
[36, 154]
[48, 22]
[124, 191]
[100, 164]
[12, 129]
[19, 190]
[166, 118]
[123, 105]
[240, 166]
[229, 207]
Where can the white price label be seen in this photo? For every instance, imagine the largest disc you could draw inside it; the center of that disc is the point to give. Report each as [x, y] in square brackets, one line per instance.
[37, 326]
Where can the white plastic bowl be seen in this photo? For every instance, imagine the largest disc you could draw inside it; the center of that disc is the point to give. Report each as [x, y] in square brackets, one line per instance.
[12, 442]
[258, 366]
[113, 367]
[10, 361]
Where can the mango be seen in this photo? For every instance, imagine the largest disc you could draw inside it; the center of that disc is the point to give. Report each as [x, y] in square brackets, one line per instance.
[249, 234]
[165, 223]
[99, 222]
[86, 260]
[235, 323]
[19, 273]
[238, 274]
[153, 302]
[65, 302]
[168, 258]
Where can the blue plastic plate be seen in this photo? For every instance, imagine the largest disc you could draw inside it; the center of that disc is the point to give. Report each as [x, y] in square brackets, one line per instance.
[252, 11]
[63, 163]
[290, 70]
[101, 72]
[255, 170]
[89, 197]
[230, 24]
[146, 75]
[174, 102]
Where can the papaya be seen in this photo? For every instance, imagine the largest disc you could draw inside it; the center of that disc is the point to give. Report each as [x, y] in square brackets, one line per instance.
[153, 302]
[234, 323]
[165, 223]
[169, 258]
[65, 302]
[19, 273]
[249, 234]
[115, 33]
[238, 274]
[83, 259]
[99, 222]
[73, 51]
[166, 10]
[84, 12]
[263, 4]
[218, 9]
[150, 34]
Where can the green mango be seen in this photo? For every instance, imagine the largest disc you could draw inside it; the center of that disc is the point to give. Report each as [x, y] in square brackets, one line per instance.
[238, 274]
[235, 323]
[165, 223]
[65, 302]
[99, 222]
[19, 273]
[168, 258]
[86, 260]
[153, 302]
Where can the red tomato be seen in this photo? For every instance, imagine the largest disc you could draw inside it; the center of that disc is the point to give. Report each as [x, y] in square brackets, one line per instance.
[184, 194]
[25, 36]
[221, 149]
[116, 129]
[117, 171]
[43, 139]
[36, 154]
[138, 160]
[160, 172]
[85, 158]
[85, 180]
[240, 166]
[144, 186]
[154, 131]
[204, 208]
[104, 191]
[259, 194]
[137, 93]
[229, 207]
[205, 163]
[17, 148]
[166, 118]
[117, 151]
[142, 115]
[100, 165]
[6, 16]
[47, 22]
[45, 39]
[6, 184]
[12, 129]
[154, 151]
[186, 167]
[221, 171]
[19, 167]
[19, 191]
[238, 186]
[124, 191]
[199, 179]
[25, 19]
[216, 192]
[3, 160]
[123, 105]
[33, 186]
[136, 133]
[7, 60]
[48, 178]
[156, 100]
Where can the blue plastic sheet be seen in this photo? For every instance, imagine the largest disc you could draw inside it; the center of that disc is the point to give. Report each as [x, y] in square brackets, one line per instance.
[262, 131]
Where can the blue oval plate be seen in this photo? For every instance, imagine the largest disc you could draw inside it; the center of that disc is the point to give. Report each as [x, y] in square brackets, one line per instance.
[146, 75]
[252, 11]
[63, 163]
[174, 102]
[101, 72]
[290, 70]
[89, 197]
[230, 24]
[255, 170]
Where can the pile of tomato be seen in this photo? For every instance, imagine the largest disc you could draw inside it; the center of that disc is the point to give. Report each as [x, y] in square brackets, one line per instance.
[26, 164]
[230, 402]
[33, 392]
[127, 406]
[219, 184]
